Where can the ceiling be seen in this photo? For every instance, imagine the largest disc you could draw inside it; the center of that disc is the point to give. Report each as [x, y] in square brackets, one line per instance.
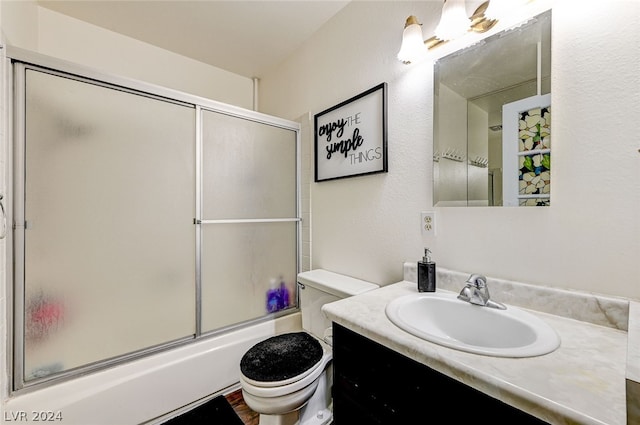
[244, 37]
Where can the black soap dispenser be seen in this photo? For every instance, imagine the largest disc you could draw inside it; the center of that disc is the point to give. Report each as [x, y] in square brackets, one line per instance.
[426, 273]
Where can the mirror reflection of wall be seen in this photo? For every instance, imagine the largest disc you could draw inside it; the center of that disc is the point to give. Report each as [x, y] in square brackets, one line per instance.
[472, 87]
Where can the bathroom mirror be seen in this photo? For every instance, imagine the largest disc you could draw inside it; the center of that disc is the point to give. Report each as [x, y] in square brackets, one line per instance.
[492, 120]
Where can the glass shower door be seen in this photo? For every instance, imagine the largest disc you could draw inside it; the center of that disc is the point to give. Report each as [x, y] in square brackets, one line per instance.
[105, 225]
[250, 219]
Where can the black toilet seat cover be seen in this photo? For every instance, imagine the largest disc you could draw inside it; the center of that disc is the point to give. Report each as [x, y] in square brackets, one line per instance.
[281, 357]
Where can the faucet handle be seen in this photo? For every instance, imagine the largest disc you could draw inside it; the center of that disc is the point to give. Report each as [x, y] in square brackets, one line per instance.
[477, 280]
[477, 292]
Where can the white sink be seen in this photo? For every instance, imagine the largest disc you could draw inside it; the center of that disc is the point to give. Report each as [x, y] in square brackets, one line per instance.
[441, 318]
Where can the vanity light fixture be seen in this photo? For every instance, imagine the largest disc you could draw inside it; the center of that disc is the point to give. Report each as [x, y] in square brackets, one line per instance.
[453, 24]
[413, 47]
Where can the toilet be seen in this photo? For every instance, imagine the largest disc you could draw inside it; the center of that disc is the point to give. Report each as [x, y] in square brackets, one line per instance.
[287, 378]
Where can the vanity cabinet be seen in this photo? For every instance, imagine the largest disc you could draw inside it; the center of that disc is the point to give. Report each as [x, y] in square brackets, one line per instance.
[376, 385]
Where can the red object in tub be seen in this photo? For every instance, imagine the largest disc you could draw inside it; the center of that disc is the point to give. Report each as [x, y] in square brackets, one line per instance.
[47, 314]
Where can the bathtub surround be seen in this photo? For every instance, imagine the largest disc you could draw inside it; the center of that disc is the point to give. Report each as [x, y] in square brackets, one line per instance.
[27, 25]
[554, 387]
[169, 380]
[66, 258]
[91, 398]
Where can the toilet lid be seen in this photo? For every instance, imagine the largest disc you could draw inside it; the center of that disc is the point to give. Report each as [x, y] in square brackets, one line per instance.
[281, 357]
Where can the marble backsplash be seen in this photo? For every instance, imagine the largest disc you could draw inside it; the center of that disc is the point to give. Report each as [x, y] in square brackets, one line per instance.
[586, 307]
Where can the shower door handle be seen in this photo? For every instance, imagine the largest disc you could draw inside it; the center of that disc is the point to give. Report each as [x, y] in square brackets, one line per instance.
[3, 224]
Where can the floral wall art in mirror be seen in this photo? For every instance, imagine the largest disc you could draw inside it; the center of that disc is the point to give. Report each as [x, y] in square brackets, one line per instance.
[492, 120]
[351, 137]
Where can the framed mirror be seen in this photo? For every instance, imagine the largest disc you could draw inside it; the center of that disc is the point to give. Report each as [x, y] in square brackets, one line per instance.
[492, 120]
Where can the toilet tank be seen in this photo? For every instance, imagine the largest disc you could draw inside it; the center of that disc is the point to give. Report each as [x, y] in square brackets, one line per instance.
[319, 287]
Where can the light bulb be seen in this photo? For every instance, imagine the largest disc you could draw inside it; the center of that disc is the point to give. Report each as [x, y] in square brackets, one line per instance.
[413, 47]
[454, 21]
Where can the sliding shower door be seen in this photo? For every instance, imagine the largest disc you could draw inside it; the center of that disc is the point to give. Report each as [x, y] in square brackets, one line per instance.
[143, 219]
[105, 230]
[250, 219]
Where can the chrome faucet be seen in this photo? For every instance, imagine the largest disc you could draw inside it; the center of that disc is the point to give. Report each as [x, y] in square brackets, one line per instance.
[476, 292]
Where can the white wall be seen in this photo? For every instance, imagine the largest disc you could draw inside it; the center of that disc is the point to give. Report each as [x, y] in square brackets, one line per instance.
[19, 23]
[589, 239]
[28, 26]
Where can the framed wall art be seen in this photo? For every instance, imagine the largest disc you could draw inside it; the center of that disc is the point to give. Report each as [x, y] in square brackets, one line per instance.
[351, 137]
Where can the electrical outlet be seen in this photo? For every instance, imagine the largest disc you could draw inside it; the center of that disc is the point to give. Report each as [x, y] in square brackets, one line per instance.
[428, 223]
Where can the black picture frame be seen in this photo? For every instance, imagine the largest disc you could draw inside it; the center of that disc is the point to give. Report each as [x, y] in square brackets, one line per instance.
[351, 137]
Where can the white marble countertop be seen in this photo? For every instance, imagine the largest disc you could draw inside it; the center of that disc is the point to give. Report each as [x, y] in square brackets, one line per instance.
[582, 382]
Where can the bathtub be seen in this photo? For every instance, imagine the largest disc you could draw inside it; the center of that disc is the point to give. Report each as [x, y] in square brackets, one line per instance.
[144, 390]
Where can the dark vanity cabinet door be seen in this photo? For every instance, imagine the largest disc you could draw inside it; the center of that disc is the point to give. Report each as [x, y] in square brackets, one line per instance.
[376, 385]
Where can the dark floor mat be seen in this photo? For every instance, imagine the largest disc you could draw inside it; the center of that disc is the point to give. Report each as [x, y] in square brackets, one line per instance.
[217, 411]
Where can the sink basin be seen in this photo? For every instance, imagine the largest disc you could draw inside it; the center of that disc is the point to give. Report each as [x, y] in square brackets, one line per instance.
[443, 319]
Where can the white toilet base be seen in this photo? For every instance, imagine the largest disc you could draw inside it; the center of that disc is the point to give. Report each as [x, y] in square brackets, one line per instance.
[291, 418]
[317, 411]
